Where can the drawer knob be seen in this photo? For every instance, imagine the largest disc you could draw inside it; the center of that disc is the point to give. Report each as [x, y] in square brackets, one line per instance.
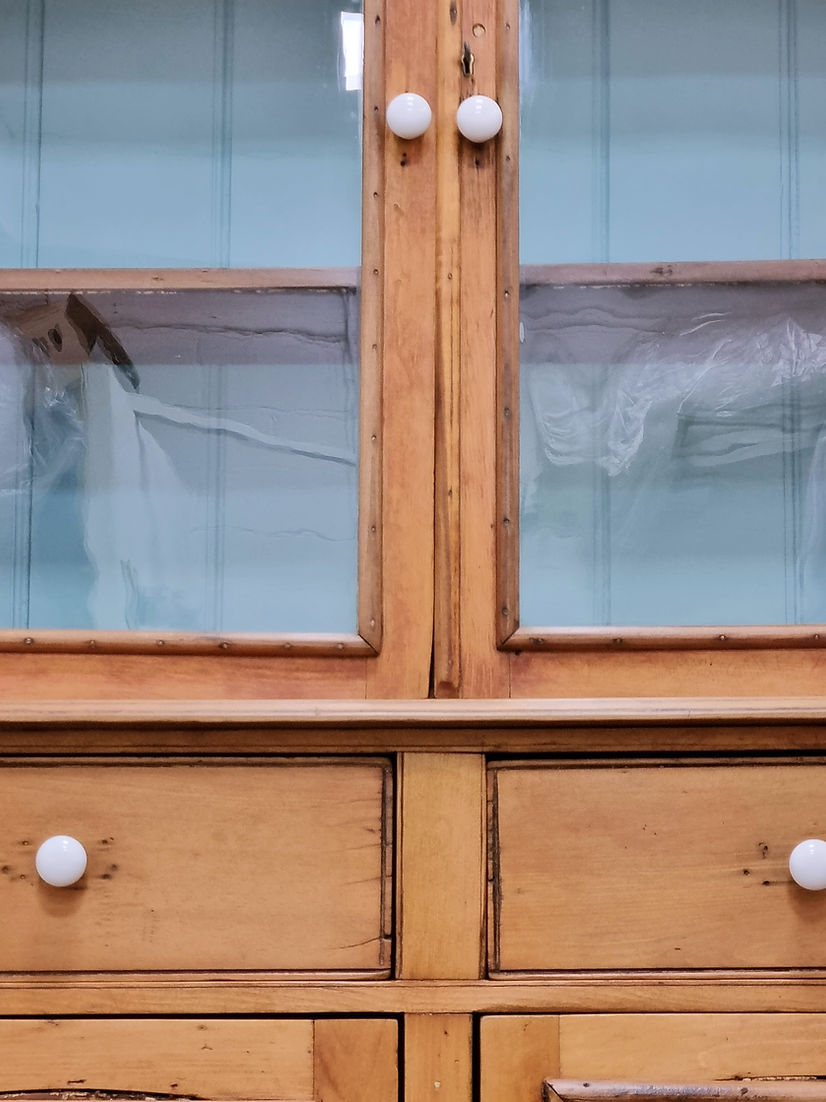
[479, 118]
[60, 861]
[807, 864]
[408, 115]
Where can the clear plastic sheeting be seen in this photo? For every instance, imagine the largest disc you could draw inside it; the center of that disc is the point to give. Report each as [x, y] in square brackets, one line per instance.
[673, 455]
[179, 461]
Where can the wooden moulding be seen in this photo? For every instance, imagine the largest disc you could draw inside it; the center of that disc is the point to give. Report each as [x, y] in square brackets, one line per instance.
[371, 344]
[62, 280]
[514, 637]
[166, 642]
[54, 994]
[167, 726]
[507, 373]
[711, 271]
[720, 638]
[389, 717]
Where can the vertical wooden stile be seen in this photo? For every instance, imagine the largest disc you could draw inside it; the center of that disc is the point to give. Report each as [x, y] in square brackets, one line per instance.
[484, 669]
[403, 666]
[448, 485]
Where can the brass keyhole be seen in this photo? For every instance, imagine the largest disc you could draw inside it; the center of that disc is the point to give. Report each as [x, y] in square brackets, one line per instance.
[467, 60]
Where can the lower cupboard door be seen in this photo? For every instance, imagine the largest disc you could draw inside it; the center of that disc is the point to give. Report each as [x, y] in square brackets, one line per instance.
[601, 1057]
[296, 1059]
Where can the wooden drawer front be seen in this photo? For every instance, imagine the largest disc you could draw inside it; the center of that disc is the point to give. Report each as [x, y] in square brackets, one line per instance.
[518, 1052]
[653, 866]
[329, 1060]
[280, 865]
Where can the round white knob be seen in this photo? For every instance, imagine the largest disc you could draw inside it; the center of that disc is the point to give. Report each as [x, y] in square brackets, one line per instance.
[479, 118]
[807, 864]
[60, 861]
[408, 115]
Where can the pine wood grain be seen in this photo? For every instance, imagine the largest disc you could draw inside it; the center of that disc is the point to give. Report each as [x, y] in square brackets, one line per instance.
[441, 874]
[355, 1058]
[438, 1058]
[515, 1054]
[484, 671]
[90, 677]
[202, 1058]
[280, 866]
[628, 866]
[703, 271]
[672, 1048]
[61, 280]
[371, 343]
[165, 643]
[229, 993]
[449, 291]
[787, 671]
[475, 715]
[508, 355]
[403, 667]
[719, 639]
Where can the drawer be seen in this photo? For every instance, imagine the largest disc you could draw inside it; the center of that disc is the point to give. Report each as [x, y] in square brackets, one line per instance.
[614, 1052]
[653, 865]
[326, 1060]
[279, 864]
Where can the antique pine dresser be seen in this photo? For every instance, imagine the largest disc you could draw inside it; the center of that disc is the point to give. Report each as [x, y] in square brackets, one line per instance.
[409, 544]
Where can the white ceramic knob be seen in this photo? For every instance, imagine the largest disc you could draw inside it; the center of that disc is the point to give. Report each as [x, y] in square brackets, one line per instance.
[408, 115]
[479, 118]
[60, 861]
[807, 864]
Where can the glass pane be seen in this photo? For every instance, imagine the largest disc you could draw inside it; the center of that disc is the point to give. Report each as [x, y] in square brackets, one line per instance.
[179, 460]
[665, 130]
[673, 455]
[180, 134]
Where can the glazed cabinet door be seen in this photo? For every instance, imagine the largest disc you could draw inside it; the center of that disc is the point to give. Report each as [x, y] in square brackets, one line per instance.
[675, 1056]
[296, 1059]
[216, 331]
[648, 520]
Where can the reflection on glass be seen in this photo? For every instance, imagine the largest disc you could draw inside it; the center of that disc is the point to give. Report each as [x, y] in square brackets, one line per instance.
[352, 49]
[179, 460]
[673, 455]
[180, 134]
[665, 130]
